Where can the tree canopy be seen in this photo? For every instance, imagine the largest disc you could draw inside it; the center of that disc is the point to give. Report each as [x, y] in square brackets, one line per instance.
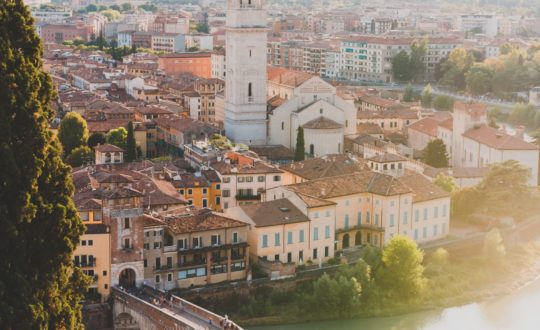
[300, 152]
[40, 228]
[402, 268]
[73, 132]
[435, 154]
[118, 137]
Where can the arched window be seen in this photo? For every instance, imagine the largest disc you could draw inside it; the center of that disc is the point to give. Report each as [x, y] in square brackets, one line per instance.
[250, 90]
[311, 149]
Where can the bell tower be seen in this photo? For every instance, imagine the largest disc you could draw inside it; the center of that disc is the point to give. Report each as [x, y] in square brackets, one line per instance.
[245, 89]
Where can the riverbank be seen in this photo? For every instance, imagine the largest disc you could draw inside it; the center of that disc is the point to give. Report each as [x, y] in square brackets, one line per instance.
[454, 282]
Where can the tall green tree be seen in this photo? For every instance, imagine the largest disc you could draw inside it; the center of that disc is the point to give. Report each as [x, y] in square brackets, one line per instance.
[402, 272]
[409, 94]
[445, 182]
[400, 66]
[118, 137]
[478, 79]
[435, 154]
[73, 132]
[443, 103]
[131, 145]
[416, 59]
[96, 138]
[40, 228]
[300, 152]
[427, 96]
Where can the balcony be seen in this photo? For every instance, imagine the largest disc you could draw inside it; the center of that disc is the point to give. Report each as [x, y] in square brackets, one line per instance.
[248, 197]
[163, 268]
[86, 264]
[219, 259]
[169, 248]
[237, 256]
[192, 263]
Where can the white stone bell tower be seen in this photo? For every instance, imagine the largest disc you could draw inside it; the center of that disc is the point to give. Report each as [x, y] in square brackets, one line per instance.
[245, 89]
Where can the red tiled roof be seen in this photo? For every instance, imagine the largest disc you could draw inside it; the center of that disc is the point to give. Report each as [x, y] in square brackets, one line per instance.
[426, 125]
[498, 140]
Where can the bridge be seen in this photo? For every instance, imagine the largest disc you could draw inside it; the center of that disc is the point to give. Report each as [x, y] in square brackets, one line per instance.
[147, 309]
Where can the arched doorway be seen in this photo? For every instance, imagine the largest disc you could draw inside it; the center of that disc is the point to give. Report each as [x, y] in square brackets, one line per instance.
[127, 278]
[358, 239]
[346, 240]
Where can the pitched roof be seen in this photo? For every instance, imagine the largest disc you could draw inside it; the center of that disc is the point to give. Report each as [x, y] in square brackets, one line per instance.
[108, 148]
[326, 166]
[427, 126]
[197, 220]
[118, 193]
[276, 212]
[256, 168]
[322, 123]
[287, 77]
[422, 188]
[387, 158]
[498, 140]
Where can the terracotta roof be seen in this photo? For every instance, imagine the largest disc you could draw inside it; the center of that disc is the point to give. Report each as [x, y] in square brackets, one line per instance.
[105, 126]
[277, 152]
[387, 158]
[498, 140]
[108, 148]
[150, 221]
[369, 128]
[185, 55]
[322, 123]
[287, 77]
[121, 193]
[115, 178]
[427, 126]
[88, 204]
[198, 220]
[422, 188]
[326, 166]
[272, 213]
[448, 124]
[314, 201]
[359, 182]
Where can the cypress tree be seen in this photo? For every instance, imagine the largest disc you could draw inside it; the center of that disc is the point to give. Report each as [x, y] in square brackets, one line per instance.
[300, 152]
[40, 226]
[131, 146]
[73, 132]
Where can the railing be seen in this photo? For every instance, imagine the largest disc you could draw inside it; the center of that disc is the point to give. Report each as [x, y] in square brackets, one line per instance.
[91, 263]
[248, 197]
[169, 248]
[219, 259]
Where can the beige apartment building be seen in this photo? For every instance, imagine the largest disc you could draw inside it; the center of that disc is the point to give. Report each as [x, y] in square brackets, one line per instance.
[194, 247]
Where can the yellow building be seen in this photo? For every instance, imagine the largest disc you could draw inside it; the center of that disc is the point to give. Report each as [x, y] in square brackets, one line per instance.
[93, 253]
[202, 189]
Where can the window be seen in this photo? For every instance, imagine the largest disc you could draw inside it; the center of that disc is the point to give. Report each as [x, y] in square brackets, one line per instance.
[416, 215]
[392, 203]
[277, 178]
[391, 220]
[416, 234]
[218, 186]
[315, 234]
[425, 214]
[190, 192]
[240, 179]
[444, 210]
[182, 191]
[145, 263]
[126, 223]
[277, 239]
[264, 241]
[157, 245]
[205, 191]
[326, 251]
[282, 126]
[83, 243]
[250, 91]
[316, 215]
[260, 178]
[226, 179]
[83, 216]
[289, 237]
[158, 278]
[327, 232]
[346, 221]
[376, 219]
[226, 193]
[435, 230]
[327, 214]
[197, 242]
[204, 203]
[405, 217]
[169, 277]
[158, 263]
[301, 236]
[216, 240]
[368, 217]
[424, 232]
[436, 212]
[181, 244]
[249, 179]
[127, 244]
[314, 253]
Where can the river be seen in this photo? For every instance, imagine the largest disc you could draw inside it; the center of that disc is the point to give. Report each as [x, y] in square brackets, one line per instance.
[517, 311]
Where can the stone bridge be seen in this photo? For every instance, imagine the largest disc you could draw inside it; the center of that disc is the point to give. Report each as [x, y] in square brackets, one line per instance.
[147, 309]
